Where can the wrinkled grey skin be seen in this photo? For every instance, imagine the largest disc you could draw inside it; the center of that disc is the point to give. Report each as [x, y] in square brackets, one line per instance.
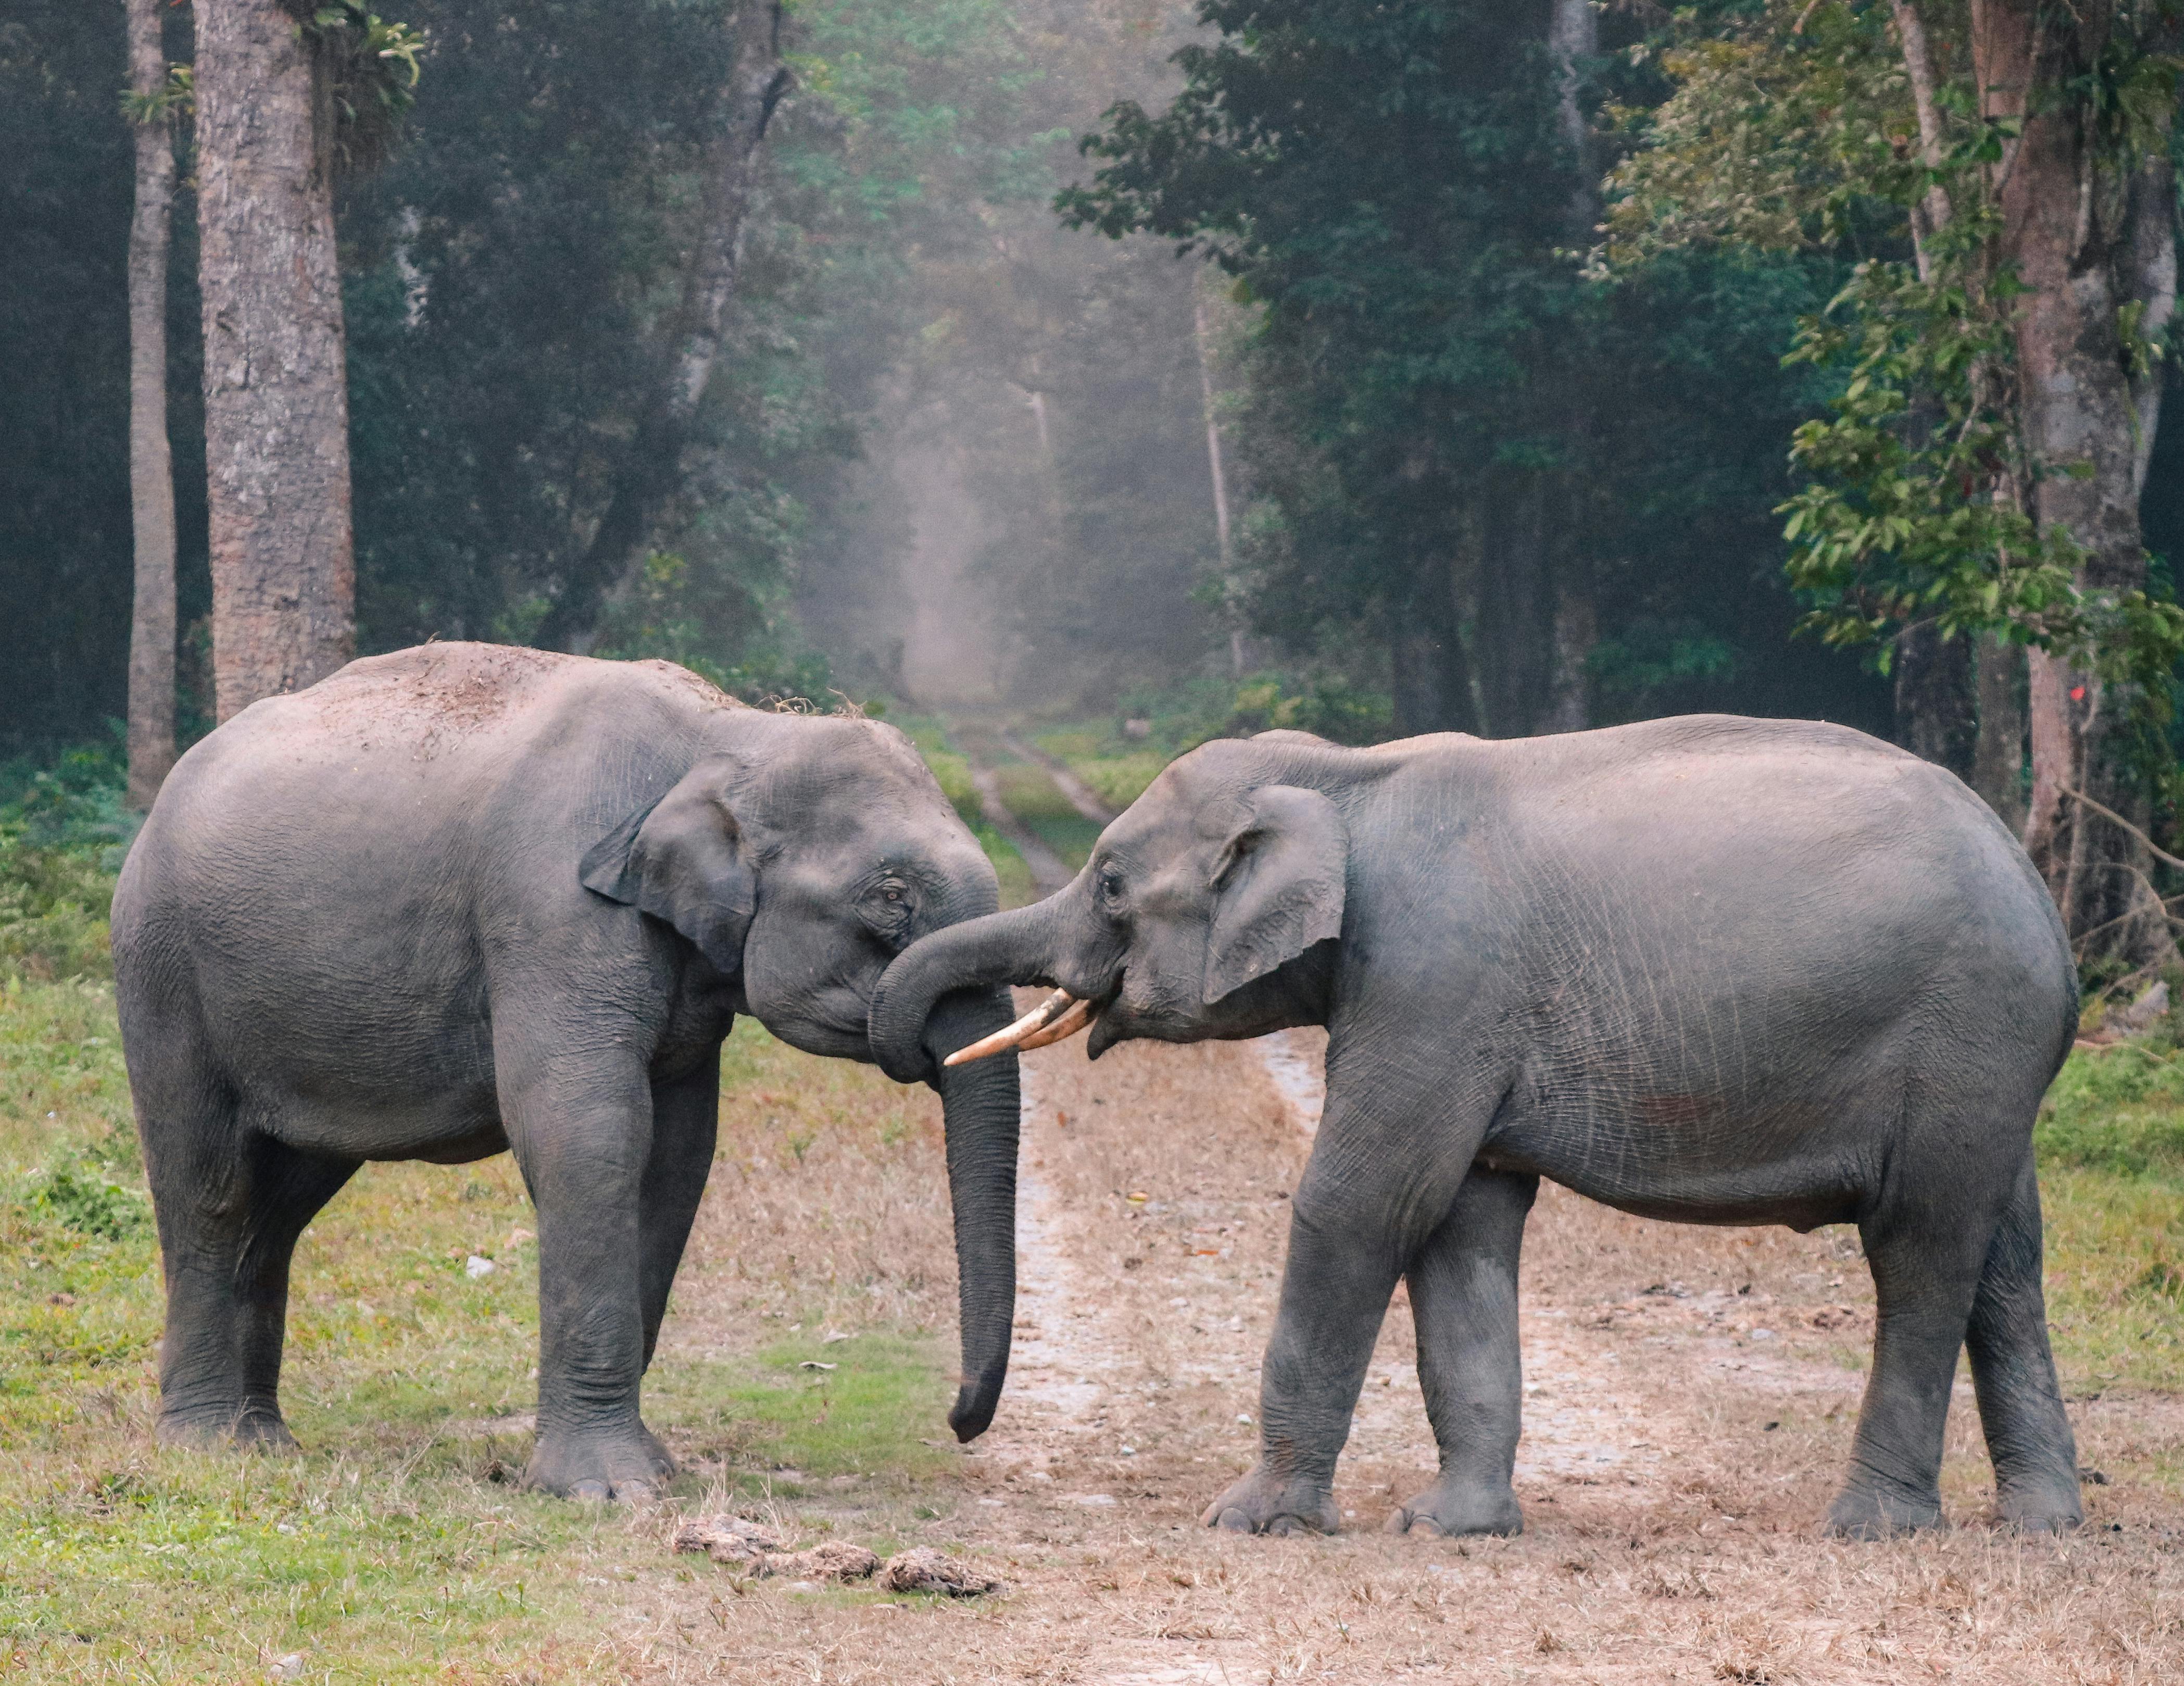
[467, 898]
[1714, 970]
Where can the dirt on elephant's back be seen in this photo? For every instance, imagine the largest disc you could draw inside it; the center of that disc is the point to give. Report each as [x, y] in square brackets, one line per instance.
[1689, 1399]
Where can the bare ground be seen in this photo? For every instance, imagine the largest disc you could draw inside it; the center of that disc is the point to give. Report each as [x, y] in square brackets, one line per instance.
[1689, 1399]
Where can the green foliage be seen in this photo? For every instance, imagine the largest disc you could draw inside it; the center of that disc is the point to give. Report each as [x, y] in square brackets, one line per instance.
[1442, 415]
[1031, 795]
[1795, 127]
[1773, 137]
[63, 831]
[2120, 1110]
[372, 68]
[1180, 717]
[953, 774]
[82, 1193]
[177, 97]
[1118, 780]
[662, 616]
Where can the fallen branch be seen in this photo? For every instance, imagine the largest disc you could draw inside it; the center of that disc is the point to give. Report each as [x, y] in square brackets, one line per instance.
[2107, 813]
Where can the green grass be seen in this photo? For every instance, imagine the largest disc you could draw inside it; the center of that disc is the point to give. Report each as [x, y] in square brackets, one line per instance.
[953, 772]
[1119, 780]
[394, 1547]
[2111, 1145]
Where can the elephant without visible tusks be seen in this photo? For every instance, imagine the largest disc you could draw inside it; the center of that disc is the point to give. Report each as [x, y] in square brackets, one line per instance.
[467, 898]
[1710, 969]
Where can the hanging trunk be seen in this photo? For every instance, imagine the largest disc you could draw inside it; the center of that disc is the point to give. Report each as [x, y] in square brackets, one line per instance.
[1998, 751]
[982, 1107]
[2085, 244]
[276, 398]
[151, 464]
[650, 471]
[1935, 717]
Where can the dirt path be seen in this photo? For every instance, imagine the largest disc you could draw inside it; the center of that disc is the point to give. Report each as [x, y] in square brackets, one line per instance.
[1690, 1398]
[1080, 794]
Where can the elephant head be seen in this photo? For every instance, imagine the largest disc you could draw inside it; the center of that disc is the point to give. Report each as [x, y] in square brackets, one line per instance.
[800, 856]
[1208, 910]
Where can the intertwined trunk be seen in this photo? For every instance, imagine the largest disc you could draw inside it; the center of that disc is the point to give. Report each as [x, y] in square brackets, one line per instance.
[2089, 230]
[650, 471]
[276, 399]
[151, 464]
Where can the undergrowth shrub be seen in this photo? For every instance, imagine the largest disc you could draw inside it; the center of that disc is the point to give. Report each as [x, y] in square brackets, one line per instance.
[82, 1191]
[2120, 1109]
[64, 830]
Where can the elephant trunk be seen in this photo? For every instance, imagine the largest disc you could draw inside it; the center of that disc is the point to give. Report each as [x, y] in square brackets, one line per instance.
[983, 1112]
[1015, 947]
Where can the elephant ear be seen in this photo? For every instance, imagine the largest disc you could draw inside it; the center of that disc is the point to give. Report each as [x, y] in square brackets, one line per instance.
[684, 861]
[1277, 885]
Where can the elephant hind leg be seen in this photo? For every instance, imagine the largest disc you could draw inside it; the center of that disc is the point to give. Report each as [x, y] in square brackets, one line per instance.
[229, 1220]
[1463, 1300]
[2020, 1404]
[1927, 1239]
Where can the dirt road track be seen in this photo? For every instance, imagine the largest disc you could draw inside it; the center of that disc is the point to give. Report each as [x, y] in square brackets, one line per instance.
[1690, 1398]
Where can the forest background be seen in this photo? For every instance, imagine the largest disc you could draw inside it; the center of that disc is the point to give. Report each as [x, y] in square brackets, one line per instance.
[1480, 416]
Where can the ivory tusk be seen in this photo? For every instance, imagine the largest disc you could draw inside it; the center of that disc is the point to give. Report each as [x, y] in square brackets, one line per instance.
[1001, 1041]
[1079, 1015]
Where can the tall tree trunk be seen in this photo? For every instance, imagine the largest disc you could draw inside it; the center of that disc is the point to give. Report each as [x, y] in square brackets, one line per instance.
[1217, 474]
[651, 470]
[1935, 705]
[151, 464]
[1574, 36]
[276, 384]
[1516, 643]
[1998, 752]
[2086, 238]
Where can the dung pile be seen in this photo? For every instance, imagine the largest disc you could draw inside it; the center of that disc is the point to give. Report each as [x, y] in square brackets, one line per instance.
[758, 1551]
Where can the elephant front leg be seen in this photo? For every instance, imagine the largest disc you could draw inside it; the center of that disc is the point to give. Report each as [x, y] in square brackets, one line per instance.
[1464, 1299]
[584, 1145]
[1335, 1288]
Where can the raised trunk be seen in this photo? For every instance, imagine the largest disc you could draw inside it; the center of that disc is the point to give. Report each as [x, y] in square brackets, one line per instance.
[151, 464]
[982, 1104]
[2086, 239]
[276, 398]
[1936, 708]
[651, 469]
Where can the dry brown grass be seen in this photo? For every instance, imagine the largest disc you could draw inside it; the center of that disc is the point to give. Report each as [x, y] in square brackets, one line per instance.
[1690, 1556]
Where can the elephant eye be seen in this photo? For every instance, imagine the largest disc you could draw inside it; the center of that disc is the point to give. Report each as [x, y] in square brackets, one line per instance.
[1111, 886]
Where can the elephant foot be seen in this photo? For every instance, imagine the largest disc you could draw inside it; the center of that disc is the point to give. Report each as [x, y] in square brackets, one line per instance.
[1449, 1509]
[252, 1427]
[1864, 1511]
[1263, 1502]
[623, 1463]
[2049, 1506]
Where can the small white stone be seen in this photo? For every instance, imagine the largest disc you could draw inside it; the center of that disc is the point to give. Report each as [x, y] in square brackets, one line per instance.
[1243, 1417]
[289, 1667]
[477, 1266]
